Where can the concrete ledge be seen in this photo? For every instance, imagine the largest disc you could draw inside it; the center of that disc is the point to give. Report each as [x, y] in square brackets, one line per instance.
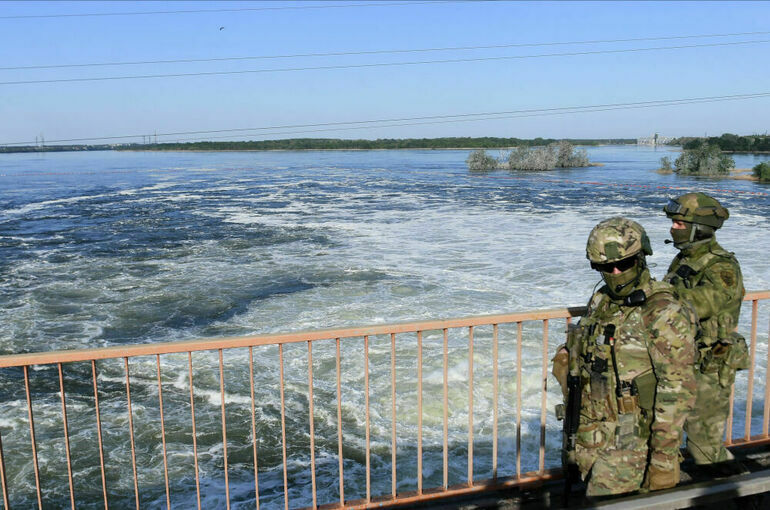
[697, 494]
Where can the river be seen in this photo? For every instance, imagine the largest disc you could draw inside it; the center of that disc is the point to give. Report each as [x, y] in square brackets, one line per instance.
[111, 248]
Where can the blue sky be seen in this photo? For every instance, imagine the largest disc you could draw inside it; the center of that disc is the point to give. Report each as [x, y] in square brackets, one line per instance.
[219, 102]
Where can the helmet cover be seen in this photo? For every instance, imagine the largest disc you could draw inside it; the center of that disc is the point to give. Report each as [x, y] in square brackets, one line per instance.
[616, 239]
[697, 208]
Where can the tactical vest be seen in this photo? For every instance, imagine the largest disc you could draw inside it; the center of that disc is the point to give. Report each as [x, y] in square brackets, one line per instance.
[721, 350]
[609, 351]
[688, 276]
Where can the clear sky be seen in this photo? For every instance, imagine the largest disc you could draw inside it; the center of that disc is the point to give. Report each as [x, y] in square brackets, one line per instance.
[114, 108]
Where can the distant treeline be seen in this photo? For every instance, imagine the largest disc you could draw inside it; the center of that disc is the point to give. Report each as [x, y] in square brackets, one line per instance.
[728, 142]
[290, 144]
[383, 143]
[55, 148]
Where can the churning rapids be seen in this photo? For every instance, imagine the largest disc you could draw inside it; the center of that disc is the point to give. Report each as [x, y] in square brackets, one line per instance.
[111, 248]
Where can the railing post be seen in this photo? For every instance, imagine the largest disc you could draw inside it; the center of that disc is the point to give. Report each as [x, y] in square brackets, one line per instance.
[66, 436]
[131, 433]
[470, 406]
[766, 414]
[494, 401]
[366, 433]
[419, 412]
[195, 432]
[3, 478]
[339, 426]
[311, 417]
[753, 350]
[253, 426]
[393, 414]
[32, 438]
[283, 430]
[163, 436]
[543, 397]
[99, 434]
[519, 337]
[446, 409]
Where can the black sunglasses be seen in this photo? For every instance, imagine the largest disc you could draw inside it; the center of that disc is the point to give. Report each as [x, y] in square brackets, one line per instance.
[608, 267]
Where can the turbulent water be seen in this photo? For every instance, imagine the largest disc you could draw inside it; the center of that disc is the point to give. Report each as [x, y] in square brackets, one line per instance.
[107, 248]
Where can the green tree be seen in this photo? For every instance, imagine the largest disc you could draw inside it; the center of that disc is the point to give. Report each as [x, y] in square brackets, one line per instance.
[704, 160]
[762, 171]
[665, 164]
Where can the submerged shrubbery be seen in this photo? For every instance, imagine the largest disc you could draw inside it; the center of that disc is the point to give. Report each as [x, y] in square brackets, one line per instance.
[704, 160]
[762, 171]
[556, 155]
[665, 165]
[480, 161]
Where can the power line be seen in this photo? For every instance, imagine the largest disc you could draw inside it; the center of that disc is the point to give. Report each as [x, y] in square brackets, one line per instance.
[377, 52]
[566, 111]
[380, 64]
[240, 9]
[435, 119]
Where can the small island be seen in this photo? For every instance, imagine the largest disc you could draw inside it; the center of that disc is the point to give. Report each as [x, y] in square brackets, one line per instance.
[709, 157]
[561, 154]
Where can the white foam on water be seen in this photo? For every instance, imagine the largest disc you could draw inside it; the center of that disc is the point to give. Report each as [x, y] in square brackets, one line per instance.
[38, 206]
[355, 247]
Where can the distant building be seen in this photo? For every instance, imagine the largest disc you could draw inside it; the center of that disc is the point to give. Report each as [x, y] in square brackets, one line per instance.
[654, 140]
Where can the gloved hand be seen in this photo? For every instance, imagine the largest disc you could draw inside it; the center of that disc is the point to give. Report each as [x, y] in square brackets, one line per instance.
[662, 472]
[560, 369]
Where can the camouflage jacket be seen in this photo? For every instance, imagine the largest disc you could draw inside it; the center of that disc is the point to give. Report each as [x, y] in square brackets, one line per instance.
[710, 278]
[653, 338]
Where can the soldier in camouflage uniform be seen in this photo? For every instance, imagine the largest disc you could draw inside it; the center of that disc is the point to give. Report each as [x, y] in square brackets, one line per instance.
[634, 353]
[710, 278]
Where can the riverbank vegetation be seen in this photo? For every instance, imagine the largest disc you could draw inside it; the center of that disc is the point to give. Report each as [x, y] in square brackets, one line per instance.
[728, 142]
[762, 172]
[55, 148]
[290, 144]
[382, 143]
[560, 154]
[665, 166]
[705, 160]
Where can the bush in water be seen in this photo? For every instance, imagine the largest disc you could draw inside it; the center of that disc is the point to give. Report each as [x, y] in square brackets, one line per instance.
[665, 165]
[556, 155]
[480, 161]
[762, 171]
[704, 160]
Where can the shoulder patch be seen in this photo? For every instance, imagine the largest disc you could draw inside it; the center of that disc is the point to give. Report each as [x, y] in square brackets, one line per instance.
[728, 277]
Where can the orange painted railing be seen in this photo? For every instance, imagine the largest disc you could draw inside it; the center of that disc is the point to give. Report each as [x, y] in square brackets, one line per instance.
[341, 337]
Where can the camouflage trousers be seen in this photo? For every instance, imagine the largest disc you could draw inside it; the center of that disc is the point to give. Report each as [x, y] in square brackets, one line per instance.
[705, 426]
[614, 471]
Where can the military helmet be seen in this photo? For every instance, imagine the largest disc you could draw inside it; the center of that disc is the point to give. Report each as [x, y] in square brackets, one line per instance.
[697, 208]
[616, 239]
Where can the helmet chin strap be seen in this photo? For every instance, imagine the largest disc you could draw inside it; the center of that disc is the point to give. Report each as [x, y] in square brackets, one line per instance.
[692, 242]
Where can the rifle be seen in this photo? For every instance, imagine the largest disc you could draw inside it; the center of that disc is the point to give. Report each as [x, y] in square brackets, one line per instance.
[569, 411]
[571, 424]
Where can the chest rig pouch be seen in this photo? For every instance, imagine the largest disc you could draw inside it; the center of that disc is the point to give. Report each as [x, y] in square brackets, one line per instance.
[624, 407]
[721, 349]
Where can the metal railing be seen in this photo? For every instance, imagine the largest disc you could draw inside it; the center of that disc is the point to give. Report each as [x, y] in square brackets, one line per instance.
[441, 329]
